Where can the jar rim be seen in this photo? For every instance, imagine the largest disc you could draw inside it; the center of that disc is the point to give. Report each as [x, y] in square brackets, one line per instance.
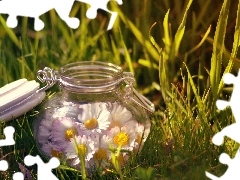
[89, 76]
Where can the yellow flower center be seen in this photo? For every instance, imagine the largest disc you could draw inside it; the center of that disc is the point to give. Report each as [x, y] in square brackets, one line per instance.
[121, 139]
[101, 154]
[69, 133]
[91, 123]
[82, 150]
[56, 153]
[114, 124]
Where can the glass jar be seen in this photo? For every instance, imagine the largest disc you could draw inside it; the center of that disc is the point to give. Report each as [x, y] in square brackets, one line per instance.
[96, 111]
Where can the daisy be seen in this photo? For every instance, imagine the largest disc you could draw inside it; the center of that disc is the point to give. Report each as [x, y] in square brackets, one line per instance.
[45, 127]
[52, 150]
[123, 136]
[94, 117]
[143, 132]
[80, 146]
[44, 131]
[63, 130]
[102, 153]
[120, 115]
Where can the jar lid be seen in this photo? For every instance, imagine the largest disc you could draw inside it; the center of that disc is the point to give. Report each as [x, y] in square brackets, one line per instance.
[19, 97]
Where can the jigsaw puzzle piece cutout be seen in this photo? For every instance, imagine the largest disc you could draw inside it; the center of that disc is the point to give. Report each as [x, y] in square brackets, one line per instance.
[221, 104]
[232, 172]
[101, 4]
[8, 132]
[3, 165]
[18, 176]
[229, 131]
[36, 8]
[234, 102]
[229, 78]
[44, 169]
[27, 8]
[63, 9]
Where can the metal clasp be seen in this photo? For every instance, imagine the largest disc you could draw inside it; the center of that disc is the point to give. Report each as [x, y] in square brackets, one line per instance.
[49, 76]
[133, 95]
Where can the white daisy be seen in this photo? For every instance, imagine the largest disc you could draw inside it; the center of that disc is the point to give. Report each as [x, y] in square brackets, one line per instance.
[120, 115]
[123, 136]
[44, 131]
[52, 150]
[80, 146]
[94, 117]
[102, 153]
[63, 130]
[143, 131]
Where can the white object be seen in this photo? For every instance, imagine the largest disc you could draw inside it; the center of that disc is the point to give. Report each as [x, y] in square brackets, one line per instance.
[8, 141]
[44, 169]
[231, 131]
[36, 8]
[19, 97]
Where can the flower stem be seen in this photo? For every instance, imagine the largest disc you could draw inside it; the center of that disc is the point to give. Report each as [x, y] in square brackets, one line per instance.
[116, 162]
[81, 157]
[83, 169]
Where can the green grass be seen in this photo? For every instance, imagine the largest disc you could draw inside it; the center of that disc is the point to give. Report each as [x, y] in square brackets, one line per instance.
[177, 50]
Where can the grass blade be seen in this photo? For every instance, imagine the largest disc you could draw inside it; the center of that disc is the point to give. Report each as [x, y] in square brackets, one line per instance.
[235, 47]
[217, 54]
[179, 34]
[10, 32]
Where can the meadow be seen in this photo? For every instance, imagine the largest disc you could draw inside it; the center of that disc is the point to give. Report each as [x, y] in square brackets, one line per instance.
[178, 52]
